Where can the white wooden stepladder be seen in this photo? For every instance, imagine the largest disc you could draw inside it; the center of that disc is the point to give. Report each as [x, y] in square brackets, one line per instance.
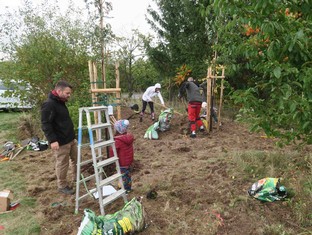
[101, 138]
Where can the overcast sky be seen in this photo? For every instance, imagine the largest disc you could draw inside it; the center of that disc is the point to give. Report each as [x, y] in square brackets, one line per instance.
[126, 14]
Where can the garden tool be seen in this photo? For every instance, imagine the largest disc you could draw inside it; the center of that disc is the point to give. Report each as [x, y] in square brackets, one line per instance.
[168, 108]
[135, 109]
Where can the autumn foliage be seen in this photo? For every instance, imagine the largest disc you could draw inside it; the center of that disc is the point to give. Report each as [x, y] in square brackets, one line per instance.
[182, 73]
[250, 31]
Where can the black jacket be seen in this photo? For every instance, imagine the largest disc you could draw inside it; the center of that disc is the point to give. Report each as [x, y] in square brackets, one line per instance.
[56, 122]
[192, 91]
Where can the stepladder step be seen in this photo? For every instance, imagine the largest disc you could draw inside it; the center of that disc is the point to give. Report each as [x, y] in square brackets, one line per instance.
[104, 144]
[107, 161]
[100, 126]
[97, 108]
[109, 179]
[114, 196]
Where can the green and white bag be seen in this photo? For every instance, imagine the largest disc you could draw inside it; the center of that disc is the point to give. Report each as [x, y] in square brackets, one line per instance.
[163, 124]
[268, 190]
[130, 219]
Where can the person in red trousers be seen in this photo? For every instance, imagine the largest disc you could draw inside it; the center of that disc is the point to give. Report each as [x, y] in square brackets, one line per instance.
[195, 100]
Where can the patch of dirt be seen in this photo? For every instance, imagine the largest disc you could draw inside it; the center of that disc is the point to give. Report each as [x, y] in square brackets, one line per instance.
[197, 193]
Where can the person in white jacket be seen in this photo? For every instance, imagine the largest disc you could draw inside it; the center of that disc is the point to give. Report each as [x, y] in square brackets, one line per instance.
[147, 99]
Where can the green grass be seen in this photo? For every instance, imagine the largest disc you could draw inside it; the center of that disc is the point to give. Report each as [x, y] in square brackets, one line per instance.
[295, 172]
[22, 220]
[9, 122]
[275, 229]
[23, 215]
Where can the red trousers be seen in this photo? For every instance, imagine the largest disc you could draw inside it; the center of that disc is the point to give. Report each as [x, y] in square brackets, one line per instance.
[193, 110]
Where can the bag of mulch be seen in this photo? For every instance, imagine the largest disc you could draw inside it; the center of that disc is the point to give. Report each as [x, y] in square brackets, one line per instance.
[131, 219]
[89, 223]
[111, 227]
[165, 119]
[268, 190]
[163, 124]
[151, 132]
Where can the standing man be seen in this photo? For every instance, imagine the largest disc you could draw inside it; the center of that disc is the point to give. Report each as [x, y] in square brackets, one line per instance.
[59, 131]
[147, 99]
[194, 99]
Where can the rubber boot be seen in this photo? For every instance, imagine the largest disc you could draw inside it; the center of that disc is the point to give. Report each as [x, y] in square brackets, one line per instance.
[193, 134]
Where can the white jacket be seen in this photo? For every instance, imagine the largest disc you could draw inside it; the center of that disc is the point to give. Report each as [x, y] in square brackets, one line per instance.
[150, 92]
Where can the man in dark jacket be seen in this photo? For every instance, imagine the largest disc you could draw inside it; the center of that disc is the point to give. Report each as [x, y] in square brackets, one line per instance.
[59, 131]
[194, 99]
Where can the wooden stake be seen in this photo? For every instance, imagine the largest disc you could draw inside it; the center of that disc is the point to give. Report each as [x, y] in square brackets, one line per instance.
[93, 83]
[91, 77]
[95, 90]
[112, 119]
[106, 90]
[221, 99]
[210, 88]
[208, 109]
[118, 95]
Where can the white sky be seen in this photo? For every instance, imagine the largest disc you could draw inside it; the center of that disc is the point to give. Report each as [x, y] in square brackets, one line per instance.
[127, 14]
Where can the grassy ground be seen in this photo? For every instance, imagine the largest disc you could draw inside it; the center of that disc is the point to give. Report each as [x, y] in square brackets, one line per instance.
[225, 164]
[8, 126]
[23, 222]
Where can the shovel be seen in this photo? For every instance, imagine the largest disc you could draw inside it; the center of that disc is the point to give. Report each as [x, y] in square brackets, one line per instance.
[136, 110]
[168, 108]
[20, 149]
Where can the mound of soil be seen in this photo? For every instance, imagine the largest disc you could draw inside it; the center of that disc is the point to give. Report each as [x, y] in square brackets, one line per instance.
[197, 191]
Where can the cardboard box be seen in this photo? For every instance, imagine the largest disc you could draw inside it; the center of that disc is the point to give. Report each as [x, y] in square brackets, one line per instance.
[5, 198]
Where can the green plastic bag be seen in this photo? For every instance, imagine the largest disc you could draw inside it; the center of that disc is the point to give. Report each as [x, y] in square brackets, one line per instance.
[163, 124]
[89, 223]
[268, 190]
[130, 219]
[151, 132]
[111, 227]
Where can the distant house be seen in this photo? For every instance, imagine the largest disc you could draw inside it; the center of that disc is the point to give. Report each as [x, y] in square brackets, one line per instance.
[10, 102]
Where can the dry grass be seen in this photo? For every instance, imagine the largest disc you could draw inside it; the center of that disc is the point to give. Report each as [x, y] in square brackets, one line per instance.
[29, 126]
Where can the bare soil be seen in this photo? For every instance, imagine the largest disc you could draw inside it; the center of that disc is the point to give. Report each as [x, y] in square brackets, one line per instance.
[197, 190]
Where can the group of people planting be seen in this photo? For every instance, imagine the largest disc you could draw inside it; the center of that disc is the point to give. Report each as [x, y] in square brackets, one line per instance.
[59, 129]
[194, 97]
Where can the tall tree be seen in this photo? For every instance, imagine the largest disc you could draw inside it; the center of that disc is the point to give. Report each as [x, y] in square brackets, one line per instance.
[183, 36]
[144, 74]
[50, 46]
[129, 49]
[266, 46]
[102, 33]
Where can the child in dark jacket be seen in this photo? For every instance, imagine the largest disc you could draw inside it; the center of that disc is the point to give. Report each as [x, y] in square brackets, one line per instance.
[124, 147]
